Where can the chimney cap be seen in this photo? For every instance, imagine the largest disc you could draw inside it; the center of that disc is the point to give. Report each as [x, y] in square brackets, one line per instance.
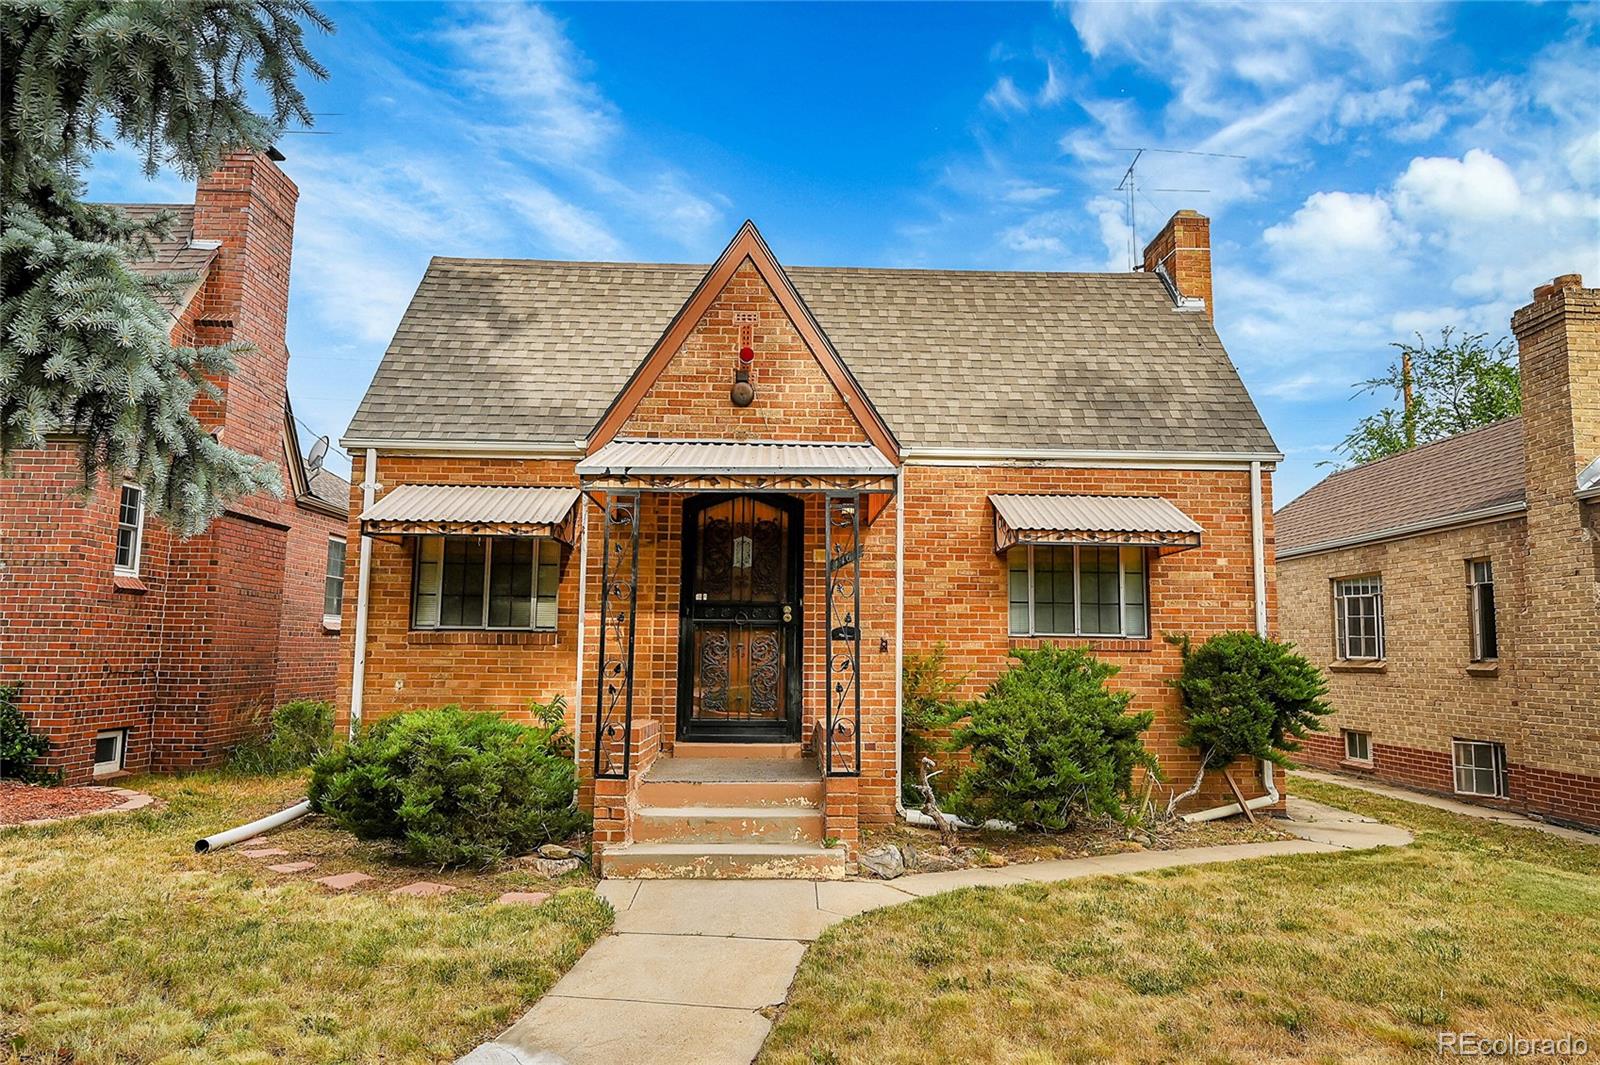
[1564, 281]
[275, 155]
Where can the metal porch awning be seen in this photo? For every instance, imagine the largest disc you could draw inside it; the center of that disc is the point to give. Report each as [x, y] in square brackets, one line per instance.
[1132, 521]
[743, 465]
[474, 510]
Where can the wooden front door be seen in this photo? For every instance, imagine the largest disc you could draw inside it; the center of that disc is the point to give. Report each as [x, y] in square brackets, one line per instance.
[740, 619]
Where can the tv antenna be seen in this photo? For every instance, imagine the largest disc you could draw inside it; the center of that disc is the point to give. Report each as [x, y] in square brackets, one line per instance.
[1129, 184]
[319, 452]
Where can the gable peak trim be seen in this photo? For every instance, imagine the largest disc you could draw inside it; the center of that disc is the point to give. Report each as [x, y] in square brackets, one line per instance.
[749, 246]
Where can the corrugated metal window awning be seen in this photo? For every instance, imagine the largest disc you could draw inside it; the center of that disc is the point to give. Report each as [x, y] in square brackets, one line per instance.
[474, 510]
[1135, 521]
[749, 464]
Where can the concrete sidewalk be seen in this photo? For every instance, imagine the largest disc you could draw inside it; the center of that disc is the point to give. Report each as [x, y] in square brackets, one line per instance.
[1455, 806]
[695, 968]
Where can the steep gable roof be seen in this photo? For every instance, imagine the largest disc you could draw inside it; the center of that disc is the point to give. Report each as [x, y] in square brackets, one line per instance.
[747, 246]
[177, 253]
[521, 351]
[1427, 487]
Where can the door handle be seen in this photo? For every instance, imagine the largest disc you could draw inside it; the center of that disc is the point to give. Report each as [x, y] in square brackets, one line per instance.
[788, 612]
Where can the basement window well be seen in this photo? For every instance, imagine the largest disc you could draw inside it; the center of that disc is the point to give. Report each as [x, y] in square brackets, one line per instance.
[110, 752]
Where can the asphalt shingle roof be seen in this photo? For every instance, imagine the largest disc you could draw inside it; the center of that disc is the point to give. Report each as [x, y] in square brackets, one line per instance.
[1468, 472]
[529, 350]
[174, 255]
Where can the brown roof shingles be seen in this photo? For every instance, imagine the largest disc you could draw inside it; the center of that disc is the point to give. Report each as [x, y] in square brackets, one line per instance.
[528, 350]
[176, 254]
[1460, 475]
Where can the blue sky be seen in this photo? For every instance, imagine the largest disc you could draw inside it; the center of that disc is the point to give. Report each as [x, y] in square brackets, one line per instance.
[1407, 166]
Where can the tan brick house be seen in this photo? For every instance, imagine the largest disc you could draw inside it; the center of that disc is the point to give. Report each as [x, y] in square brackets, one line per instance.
[136, 649]
[1452, 592]
[713, 508]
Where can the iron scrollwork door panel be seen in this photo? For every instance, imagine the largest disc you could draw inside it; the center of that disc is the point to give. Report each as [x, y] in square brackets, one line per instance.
[741, 616]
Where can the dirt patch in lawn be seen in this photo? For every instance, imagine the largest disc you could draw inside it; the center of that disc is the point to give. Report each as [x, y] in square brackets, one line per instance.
[20, 803]
[991, 847]
[335, 851]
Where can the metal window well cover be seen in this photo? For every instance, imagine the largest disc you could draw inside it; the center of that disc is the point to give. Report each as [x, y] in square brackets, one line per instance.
[713, 457]
[1135, 520]
[444, 508]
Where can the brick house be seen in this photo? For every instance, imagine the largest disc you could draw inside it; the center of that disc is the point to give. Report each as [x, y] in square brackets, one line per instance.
[713, 508]
[136, 649]
[1452, 592]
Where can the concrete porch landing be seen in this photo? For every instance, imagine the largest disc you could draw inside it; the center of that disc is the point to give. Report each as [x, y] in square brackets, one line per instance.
[694, 967]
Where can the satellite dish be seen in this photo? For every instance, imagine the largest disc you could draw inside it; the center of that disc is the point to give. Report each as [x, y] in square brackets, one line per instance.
[319, 451]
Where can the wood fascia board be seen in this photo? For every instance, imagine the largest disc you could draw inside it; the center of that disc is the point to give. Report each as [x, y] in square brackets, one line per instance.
[746, 245]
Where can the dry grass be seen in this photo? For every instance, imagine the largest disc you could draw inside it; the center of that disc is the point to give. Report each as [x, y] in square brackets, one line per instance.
[1318, 958]
[119, 944]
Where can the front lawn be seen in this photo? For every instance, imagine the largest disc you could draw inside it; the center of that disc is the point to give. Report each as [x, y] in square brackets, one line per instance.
[120, 944]
[1362, 956]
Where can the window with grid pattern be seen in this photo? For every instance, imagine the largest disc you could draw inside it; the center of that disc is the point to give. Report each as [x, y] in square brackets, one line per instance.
[1480, 768]
[130, 529]
[1078, 591]
[1358, 617]
[333, 581]
[485, 582]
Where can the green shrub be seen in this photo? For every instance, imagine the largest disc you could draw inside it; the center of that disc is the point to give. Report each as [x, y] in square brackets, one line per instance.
[926, 704]
[1051, 744]
[20, 747]
[1247, 695]
[301, 731]
[452, 787]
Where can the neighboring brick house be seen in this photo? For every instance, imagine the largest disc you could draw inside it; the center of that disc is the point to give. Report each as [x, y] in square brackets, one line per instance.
[1452, 592]
[136, 649]
[713, 508]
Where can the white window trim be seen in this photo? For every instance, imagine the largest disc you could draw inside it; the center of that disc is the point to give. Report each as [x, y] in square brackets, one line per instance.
[1348, 734]
[104, 769]
[488, 555]
[1077, 599]
[333, 621]
[1341, 623]
[131, 570]
[1497, 756]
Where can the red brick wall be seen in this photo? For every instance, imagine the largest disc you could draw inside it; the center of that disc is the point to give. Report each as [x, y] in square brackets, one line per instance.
[188, 657]
[1183, 250]
[956, 584]
[794, 400]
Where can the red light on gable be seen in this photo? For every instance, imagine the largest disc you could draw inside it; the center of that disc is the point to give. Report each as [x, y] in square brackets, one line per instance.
[747, 354]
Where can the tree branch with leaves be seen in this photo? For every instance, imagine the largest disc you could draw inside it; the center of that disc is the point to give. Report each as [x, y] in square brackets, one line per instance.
[85, 349]
[1435, 391]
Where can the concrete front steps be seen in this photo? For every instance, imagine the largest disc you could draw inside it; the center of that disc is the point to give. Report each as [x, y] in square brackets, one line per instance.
[754, 814]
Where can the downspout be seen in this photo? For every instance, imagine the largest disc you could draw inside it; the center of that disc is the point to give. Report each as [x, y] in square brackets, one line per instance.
[1258, 556]
[899, 633]
[358, 673]
[583, 604]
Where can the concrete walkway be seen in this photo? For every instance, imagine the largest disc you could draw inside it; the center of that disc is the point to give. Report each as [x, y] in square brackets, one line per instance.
[1455, 806]
[695, 968]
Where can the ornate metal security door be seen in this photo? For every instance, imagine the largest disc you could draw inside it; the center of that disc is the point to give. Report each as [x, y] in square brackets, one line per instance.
[739, 647]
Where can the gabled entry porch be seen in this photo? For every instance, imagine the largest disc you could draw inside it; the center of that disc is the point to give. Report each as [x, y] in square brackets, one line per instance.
[724, 720]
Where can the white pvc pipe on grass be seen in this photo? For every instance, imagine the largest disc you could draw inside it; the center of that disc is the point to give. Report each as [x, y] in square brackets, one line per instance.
[253, 829]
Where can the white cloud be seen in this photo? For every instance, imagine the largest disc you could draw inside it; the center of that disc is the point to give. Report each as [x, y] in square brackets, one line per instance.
[568, 228]
[521, 55]
[1330, 226]
[1477, 186]
[1005, 96]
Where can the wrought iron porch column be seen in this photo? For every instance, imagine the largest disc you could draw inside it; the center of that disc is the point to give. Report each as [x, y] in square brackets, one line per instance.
[842, 591]
[619, 600]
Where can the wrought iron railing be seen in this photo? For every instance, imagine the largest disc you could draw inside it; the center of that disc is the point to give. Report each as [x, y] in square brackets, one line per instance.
[619, 600]
[842, 547]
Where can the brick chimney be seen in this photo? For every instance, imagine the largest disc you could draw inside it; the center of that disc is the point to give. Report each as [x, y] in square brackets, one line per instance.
[247, 205]
[1182, 251]
[1558, 342]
